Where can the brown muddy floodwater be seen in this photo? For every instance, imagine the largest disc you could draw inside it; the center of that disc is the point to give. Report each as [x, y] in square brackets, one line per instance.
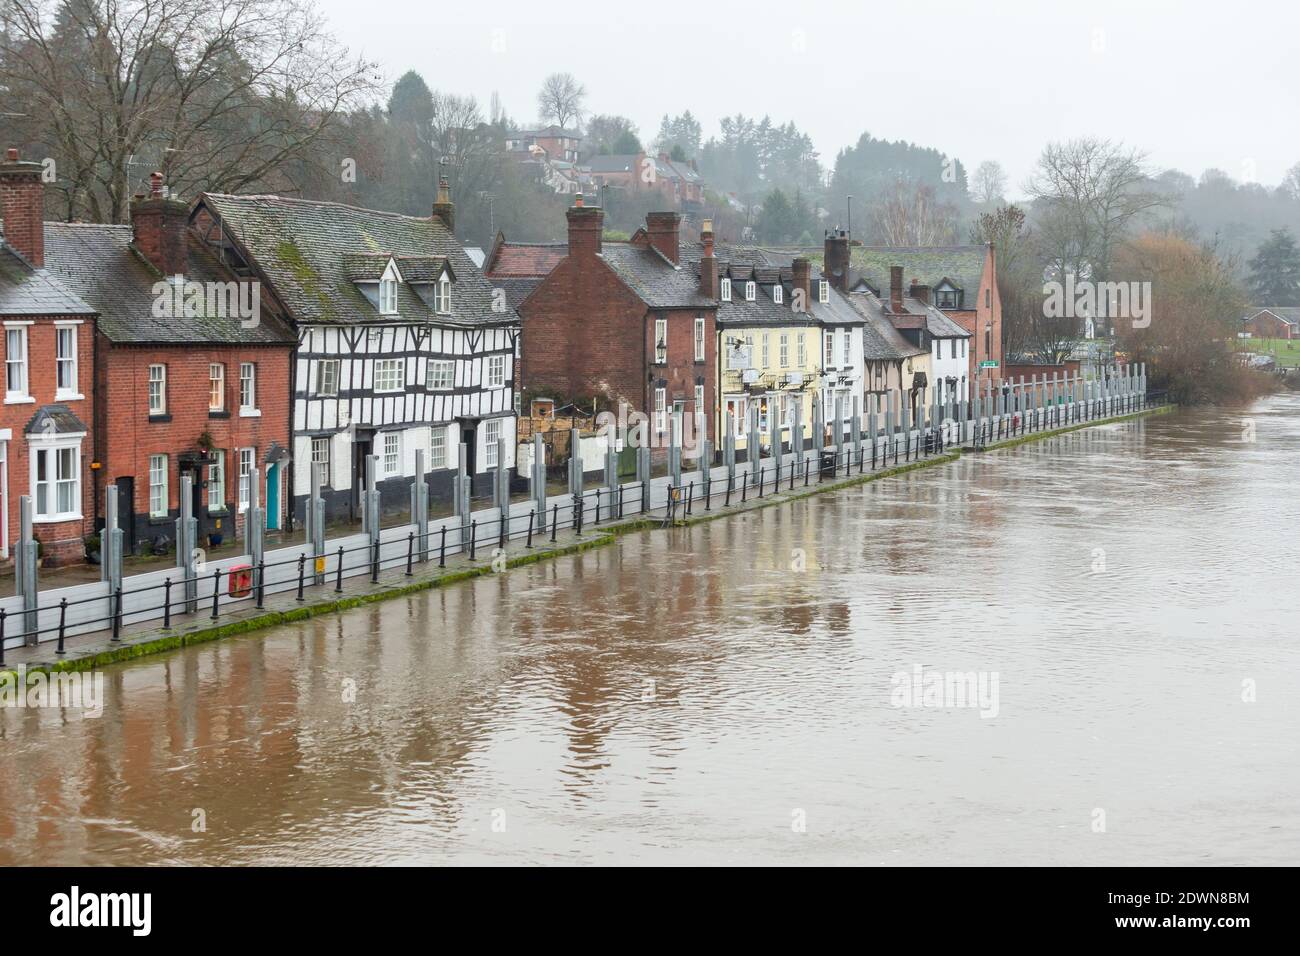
[693, 696]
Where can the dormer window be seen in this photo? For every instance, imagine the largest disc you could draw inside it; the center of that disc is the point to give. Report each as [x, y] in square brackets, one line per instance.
[442, 297]
[751, 291]
[387, 296]
[724, 291]
[778, 294]
[823, 291]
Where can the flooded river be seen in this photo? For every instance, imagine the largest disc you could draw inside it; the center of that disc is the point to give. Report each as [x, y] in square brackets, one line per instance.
[728, 693]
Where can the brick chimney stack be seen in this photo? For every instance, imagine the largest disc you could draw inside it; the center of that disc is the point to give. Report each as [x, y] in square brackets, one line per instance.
[443, 207]
[802, 270]
[662, 231]
[586, 224]
[708, 264]
[919, 291]
[836, 259]
[159, 228]
[22, 205]
[896, 290]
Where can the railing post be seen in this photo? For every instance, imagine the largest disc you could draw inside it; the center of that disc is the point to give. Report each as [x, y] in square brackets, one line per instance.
[473, 538]
[261, 584]
[167, 603]
[555, 518]
[338, 573]
[410, 552]
[531, 514]
[374, 563]
[302, 564]
[63, 616]
[442, 548]
[216, 592]
[117, 614]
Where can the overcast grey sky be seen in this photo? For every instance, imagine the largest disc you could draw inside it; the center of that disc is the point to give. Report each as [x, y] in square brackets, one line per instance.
[1195, 84]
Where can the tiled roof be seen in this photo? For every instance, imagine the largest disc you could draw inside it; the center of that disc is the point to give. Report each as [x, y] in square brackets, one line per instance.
[517, 288]
[526, 258]
[767, 269]
[962, 265]
[100, 265]
[880, 340]
[54, 420]
[659, 283]
[613, 163]
[301, 247]
[1288, 314]
[28, 291]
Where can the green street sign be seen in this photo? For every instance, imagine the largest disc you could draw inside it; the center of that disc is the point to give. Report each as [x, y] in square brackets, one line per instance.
[988, 363]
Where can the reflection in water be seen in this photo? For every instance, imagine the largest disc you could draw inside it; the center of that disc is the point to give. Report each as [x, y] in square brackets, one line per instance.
[684, 696]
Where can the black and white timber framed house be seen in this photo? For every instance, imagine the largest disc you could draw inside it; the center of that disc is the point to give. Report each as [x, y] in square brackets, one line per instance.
[402, 343]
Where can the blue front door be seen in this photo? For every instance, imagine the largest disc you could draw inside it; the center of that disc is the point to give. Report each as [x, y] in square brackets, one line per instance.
[273, 497]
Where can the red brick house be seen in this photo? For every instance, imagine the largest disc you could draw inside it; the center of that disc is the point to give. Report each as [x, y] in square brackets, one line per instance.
[1274, 322]
[192, 376]
[624, 321]
[47, 420]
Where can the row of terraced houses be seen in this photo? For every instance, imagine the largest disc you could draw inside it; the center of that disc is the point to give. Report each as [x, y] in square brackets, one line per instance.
[230, 336]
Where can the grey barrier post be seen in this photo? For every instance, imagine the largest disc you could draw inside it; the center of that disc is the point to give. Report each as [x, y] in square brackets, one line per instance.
[538, 481]
[502, 489]
[461, 489]
[754, 448]
[25, 568]
[111, 542]
[420, 507]
[187, 529]
[729, 444]
[675, 449]
[819, 424]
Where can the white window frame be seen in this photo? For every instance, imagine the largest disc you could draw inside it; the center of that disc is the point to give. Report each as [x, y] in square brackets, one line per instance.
[846, 346]
[391, 456]
[699, 400]
[53, 450]
[724, 289]
[217, 481]
[437, 448]
[157, 389]
[661, 335]
[751, 291]
[322, 453]
[383, 367]
[433, 377]
[823, 291]
[327, 386]
[661, 409]
[442, 296]
[216, 387]
[778, 293]
[247, 388]
[496, 376]
[159, 493]
[247, 462]
[66, 362]
[803, 350]
[783, 349]
[490, 440]
[17, 379]
[766, 353]
[828, 350]
[387, 296]
[699, 338]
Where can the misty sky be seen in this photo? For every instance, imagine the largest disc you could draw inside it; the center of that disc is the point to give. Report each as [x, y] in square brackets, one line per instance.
[1195, 84]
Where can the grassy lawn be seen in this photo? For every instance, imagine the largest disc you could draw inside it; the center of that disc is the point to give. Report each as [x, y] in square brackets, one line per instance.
[1284, 352]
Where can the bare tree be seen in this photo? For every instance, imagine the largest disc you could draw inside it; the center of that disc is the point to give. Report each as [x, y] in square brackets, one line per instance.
[221, 95]
[560, 100]
[910, 215]
[1090, 193]
[988, 184]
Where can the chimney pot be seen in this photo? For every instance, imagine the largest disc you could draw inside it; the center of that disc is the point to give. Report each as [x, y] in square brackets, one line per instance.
[836, 260]
[662, 232]
[896, 289]
[11, 155]
[802, 281]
